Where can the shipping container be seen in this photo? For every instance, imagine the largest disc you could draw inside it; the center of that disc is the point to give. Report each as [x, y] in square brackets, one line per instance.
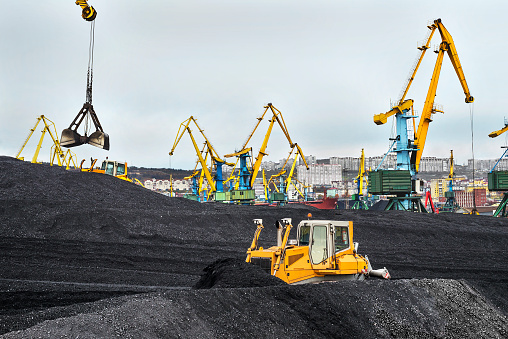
[275, 196]
[390, 182]
[243, 195]
[219, 196]
[498, 181]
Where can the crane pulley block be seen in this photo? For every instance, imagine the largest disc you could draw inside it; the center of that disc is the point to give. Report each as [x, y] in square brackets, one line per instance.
[88, 12]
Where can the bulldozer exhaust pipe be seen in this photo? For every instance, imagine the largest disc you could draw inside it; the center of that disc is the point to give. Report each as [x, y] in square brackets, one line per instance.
[380, 273]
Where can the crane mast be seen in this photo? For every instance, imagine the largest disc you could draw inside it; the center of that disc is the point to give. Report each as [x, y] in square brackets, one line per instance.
[216, 183]
[409, 148]
[248, 176]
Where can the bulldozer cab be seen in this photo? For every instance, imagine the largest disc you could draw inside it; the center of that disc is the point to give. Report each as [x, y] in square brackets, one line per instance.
[113, 168]
[325, 238]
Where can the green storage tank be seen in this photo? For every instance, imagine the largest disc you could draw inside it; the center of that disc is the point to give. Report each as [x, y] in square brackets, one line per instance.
[390, 182]
[498, 181]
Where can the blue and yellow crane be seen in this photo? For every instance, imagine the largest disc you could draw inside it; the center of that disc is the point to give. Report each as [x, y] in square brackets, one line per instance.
[208, 152]
[409, 147]
[498, 180]
[248, 174]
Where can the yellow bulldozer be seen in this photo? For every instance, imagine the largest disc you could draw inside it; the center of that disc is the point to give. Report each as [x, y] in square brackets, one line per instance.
[110, 167]
[323, 251]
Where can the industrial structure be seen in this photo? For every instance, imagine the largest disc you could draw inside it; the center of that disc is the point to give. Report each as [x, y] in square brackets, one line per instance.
[208, 153]
[56, 151]
[70, 136]
[409, 143]
[498, 180]
[248, 169]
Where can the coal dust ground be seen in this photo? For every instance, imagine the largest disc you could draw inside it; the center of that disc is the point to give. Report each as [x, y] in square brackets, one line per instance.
[88, 255]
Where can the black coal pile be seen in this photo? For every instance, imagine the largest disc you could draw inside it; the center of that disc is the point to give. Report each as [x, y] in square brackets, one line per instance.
[88, 255]
[231, 273]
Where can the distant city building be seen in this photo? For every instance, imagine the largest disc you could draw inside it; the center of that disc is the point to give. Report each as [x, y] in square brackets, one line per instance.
[433, 164]
[310, 159]
[488, 164]
[320, 174]
[465, 199]
[268, 165]
[164, 185]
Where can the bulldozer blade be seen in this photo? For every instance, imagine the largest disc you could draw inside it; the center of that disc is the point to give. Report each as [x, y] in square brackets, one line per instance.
[99, 139]
[71, 138]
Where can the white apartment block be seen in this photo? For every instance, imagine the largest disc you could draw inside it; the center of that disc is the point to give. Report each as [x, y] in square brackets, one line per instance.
[320, 174]
[487, 165]
[165, 185]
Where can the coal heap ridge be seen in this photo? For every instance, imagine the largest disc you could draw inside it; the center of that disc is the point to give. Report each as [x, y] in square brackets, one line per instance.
[84, 248]
[235, 273]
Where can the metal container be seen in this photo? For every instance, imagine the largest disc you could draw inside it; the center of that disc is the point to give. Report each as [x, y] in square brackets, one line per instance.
[243, 195]
[276, 196]
[219, 196]
[449, 194]
[498, 181]
[390, 182]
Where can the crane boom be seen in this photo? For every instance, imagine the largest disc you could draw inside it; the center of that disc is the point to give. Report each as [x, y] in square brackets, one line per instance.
[409, 152]
[184, 127]
[499, 132]
[454, 58]
[448, 46]
[277, 116]
[422, 50]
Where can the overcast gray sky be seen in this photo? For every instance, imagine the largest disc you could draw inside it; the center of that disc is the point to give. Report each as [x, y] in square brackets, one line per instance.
[328, 66]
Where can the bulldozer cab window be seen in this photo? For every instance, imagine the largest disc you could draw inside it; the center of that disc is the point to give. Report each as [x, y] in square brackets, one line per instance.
[103, 167]
[304, 236]
[120, 170]
[318, 251]
[341, 238]
[110, 168]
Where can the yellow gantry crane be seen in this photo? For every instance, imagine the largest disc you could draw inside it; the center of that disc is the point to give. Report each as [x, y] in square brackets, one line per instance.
[63, 158]
[359, 203]
[403, 106]
[288, 180]
[451, 203]
[361, 174]
[248, 175]
[216, 184]
[498, 180]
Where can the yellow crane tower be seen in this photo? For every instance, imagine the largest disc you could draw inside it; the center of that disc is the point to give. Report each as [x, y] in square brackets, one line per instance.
[248, 175]
[63, 158]
[498, 180]
[359, 203]
[283, 190]
[215, 183]
[409, 147]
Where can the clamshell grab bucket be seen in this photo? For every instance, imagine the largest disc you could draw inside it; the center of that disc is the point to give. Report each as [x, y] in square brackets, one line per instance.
[99, 139]
[70, 136]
